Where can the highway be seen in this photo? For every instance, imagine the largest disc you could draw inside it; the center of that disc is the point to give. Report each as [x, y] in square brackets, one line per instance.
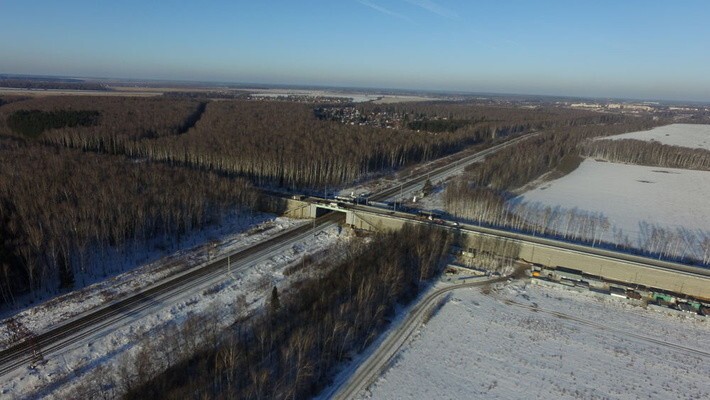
[150, 300]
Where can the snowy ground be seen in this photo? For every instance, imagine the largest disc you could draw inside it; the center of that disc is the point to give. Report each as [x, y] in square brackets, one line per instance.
[478, 346]
[236, 291]
[633, 198]
[355, 97]
[684, 135]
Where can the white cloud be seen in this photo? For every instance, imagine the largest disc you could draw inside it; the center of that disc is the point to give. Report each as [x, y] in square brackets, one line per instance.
[384, 10]
[434, 8]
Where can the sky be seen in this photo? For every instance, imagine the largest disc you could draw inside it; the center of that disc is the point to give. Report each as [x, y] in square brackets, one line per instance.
[646, 49]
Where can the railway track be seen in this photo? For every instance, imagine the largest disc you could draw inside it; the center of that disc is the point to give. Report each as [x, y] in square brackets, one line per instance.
[442, 172]
[525, 238]
[125, 310]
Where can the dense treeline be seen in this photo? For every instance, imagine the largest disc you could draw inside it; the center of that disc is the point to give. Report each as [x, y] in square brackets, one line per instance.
[473, 112]
[69, 84]
[32, 123]
[11, 99]
[293, 348]
[198, 95]
[61, 209]
[285, 144]
[556, 148]
[647, 153]
[439, 125]
[281, 143]
[484, 206]
[123, 120]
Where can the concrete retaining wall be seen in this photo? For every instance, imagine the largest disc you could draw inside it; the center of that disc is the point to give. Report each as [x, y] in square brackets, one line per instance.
[552, 257]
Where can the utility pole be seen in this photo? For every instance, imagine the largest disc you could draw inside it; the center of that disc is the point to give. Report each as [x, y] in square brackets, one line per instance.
[400, 195]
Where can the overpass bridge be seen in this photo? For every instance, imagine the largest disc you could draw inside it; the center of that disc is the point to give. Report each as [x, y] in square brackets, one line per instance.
[633, 270]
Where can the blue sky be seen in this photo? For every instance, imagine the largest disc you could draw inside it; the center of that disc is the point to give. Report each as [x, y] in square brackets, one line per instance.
[622, 48]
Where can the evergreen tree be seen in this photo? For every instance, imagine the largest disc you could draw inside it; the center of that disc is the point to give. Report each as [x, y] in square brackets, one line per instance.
[274, 304]
[428, 188]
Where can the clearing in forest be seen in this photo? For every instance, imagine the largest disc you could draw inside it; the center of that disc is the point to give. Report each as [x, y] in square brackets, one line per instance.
[636, 200]
[683, 135]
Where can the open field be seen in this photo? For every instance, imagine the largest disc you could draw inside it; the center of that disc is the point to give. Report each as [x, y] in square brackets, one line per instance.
[633, 198]
[528, 341]
[684, 135]
[387, 99]
[356, 97]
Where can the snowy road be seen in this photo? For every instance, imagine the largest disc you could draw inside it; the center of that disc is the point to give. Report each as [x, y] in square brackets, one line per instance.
[378, 361]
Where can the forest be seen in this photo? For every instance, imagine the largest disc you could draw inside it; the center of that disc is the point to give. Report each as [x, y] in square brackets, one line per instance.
[113, 171]
[122, 120]
[32, 123]
[84, 177]
[62, 209]
[291, 349]
[647, 153]
[48, 83]
[551, 150]
[280, 143]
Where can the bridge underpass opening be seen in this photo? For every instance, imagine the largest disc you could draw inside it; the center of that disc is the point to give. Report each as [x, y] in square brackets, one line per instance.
[318, 210]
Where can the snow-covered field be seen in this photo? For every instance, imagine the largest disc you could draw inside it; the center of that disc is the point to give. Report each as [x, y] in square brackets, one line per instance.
[684, 135]
[633, 198]
[243, 291]
[479, 346]
[355, 96]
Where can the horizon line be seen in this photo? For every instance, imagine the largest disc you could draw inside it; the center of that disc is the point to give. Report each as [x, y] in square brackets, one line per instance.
[346, 87]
